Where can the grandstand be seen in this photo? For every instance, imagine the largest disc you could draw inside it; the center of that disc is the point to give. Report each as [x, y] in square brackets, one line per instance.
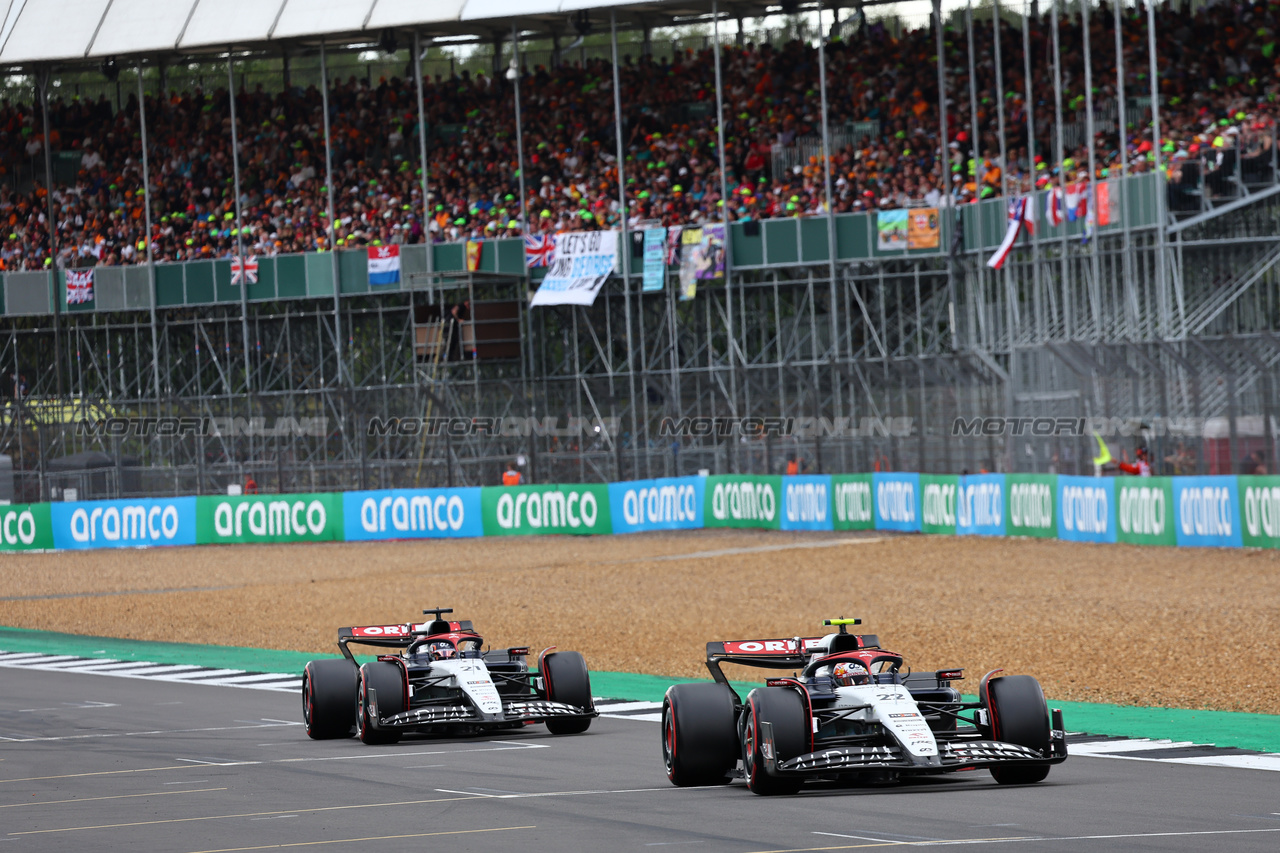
[1159, 305]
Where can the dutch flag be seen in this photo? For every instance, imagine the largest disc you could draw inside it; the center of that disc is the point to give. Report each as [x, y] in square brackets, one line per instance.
[384, 264]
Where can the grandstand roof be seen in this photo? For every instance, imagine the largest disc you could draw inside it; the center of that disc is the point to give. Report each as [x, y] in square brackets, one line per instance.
[64, 31]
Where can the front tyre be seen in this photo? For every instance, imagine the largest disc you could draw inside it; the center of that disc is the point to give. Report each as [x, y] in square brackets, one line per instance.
[387, 681]
[329, 690]
[699, 743]
[1019, 714]
[783, 708]
[565, 680]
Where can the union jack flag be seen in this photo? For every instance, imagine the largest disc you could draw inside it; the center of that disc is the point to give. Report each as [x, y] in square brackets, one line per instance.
[249, 270]
[539, 250]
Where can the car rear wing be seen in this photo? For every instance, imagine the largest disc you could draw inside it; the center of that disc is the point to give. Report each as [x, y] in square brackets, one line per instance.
[785, 653]
[396, 636]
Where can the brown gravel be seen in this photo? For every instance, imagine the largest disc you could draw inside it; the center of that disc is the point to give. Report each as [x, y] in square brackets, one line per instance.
[1111, 623]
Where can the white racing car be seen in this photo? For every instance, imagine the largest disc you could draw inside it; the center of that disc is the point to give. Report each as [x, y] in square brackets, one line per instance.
[851, 713]
[441, 682]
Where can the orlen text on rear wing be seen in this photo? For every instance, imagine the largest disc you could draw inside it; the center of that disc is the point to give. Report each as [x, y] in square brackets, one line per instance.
[786, 653]
[392, 636]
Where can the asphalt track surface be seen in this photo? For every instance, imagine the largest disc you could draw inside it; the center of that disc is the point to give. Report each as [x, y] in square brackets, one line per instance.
[92, 763]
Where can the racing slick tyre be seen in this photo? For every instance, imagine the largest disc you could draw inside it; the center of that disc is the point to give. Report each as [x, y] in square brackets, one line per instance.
[329, 698]
[699, 743]
[1018, 714]
[785, 710]
[565, 679]
[387, 681]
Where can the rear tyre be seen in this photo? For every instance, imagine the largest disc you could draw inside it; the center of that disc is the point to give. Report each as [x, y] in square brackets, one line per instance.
[699, 743]
[329, 698]
[387, 681]
[1019, 714]
[785, 710]
[564, 675]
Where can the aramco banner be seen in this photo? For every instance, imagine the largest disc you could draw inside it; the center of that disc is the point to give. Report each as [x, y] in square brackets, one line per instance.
[806, 503]
[673, 503]
[897, 501]
[25, 527]
[1030, 499]
[980, 505]
[743, 500]
[411, 514]
[1144, 511]
[1086, 509]
[1207, 511]
[1259, 511]
[851, 500]
[568, 508]
[269, 518]
[938, 503]
[123, 523]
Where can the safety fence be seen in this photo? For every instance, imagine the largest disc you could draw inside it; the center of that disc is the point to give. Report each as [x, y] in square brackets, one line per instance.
[1222, 511]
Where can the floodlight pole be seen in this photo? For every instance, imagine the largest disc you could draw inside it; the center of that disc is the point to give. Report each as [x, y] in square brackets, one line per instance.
[625, 248]
[422, 154]
[1068, 303]
[333, 224]
[724, 213]
[979, 167]
[944, 157]
[1031, 154]
[43, 83]
[151, 260]
[244, 272]
[1162, 297]
[1095, 289]
[1122, 144]
[515, 60]
[831, 221]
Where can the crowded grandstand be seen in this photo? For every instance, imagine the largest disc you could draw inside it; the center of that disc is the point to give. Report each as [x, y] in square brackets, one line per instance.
[1217, 79]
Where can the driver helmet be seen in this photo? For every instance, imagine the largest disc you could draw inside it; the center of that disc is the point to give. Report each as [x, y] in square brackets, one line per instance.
[847, 674]
[443, 650]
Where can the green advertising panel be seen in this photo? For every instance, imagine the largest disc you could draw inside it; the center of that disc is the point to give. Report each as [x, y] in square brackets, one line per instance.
[562, 508]
[25, 527]
[938, 503]
[1260, 511]
[1030, 500]
[1144, 511]
[851, 494]
[269, 518]
[743, 500]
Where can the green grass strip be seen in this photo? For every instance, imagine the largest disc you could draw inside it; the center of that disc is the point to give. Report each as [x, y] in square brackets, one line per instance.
[1224, 728]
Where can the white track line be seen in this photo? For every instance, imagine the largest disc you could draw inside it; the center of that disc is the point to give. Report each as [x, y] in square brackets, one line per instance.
[1111, 747]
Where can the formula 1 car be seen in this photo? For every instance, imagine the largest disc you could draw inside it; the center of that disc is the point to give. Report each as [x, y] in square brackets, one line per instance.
[441, 683]
[851, 713]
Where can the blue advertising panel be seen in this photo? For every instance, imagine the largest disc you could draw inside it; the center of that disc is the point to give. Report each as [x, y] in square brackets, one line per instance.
[670, 503]
[655, 260]
[897, 498]
[806, 502]
[124, 524]
[1087, 509]
[412, 514]
[1206, 511]
[980, 505]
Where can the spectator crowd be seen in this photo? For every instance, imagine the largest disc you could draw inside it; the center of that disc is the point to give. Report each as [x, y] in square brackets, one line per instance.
[1218, 89]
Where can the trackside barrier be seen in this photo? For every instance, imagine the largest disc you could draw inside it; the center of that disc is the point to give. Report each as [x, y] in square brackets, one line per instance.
[1189, 511]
